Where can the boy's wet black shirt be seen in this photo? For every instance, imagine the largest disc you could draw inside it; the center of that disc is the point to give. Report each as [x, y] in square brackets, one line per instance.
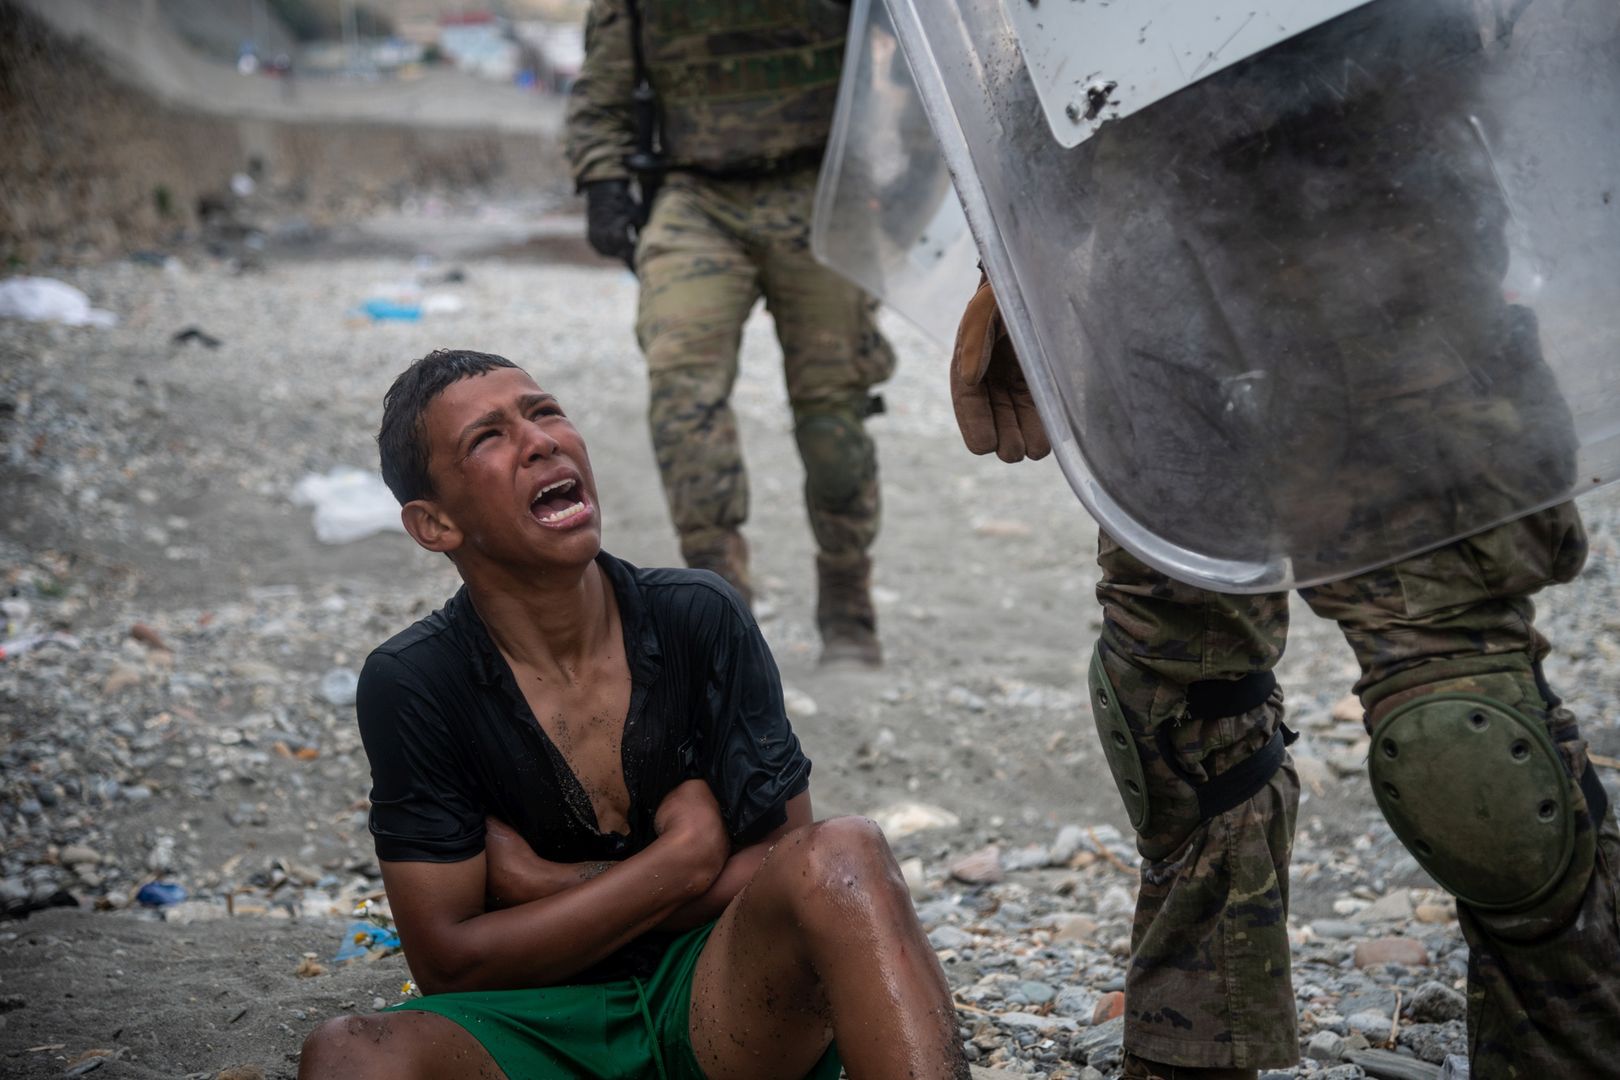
[452, 740]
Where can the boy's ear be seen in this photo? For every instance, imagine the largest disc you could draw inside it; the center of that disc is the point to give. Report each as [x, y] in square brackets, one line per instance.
[430, 526]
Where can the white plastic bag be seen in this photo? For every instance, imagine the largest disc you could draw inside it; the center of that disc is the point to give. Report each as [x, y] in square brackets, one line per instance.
[39, 299]
[349, 503]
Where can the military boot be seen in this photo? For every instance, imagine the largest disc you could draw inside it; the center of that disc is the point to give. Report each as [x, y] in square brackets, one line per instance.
[725, 552]
[1138, 1069]
[844, 613]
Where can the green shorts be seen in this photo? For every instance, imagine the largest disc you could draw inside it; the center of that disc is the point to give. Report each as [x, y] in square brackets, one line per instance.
[630, 1030]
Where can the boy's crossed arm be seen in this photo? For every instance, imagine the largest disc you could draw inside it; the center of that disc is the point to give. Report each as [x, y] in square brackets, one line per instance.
[453, 943]
[515, 875]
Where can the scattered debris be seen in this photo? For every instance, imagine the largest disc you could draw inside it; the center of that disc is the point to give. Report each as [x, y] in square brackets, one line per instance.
[39, 299]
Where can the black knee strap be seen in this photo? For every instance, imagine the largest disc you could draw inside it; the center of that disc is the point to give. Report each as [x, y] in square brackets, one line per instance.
[1597, 797]
[1211, 699]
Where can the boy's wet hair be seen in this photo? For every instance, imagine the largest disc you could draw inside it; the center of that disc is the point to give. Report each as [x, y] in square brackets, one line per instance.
[402, 443]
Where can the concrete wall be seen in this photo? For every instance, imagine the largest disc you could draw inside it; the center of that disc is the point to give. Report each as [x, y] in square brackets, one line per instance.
[92, 166]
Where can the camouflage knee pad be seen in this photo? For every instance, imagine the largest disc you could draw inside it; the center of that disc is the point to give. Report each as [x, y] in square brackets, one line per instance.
[839, 459]
[1165, 798]
[1470, 774]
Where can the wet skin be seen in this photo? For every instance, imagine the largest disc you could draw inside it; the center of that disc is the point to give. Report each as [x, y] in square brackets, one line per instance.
[816, 931]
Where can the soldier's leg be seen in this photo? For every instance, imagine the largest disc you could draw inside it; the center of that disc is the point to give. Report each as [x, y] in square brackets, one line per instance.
[1483, 775]
[833, 354]
[698, 283]
[1191, 720]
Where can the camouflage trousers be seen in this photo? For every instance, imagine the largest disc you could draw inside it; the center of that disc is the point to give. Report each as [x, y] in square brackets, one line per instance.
[1209, 982]
[710, 251]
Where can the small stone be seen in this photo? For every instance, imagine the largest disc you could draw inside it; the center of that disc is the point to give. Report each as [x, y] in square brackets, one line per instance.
[379, 1004]
[1455, 1067]
[1108, 1007]
[193, 911]
[1395, 907]
[149, 637]
[903, 819]
[1348, 710]
[1075, 1001]
[1335, 929]
[1325, 1047]
[983, 867]
[80, 855]
[800, 705]
[963, 698]
[240, 1072]
[1391, 950]
[1313, 772]
[1023, 1021]
[1369, 1022]
[122, 677]
[1435, 1042]
[1435, 1003]
[1441, 911]
[1073, 927]
[1387, 1065]
[1037, 993]
[916, 878]
[950, 937]
[1070, 840]
[339, 687]
[1032, 857]
[1101, 1046]
[1117, 901]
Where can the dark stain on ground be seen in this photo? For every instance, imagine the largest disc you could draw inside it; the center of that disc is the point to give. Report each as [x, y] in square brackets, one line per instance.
[546, 248]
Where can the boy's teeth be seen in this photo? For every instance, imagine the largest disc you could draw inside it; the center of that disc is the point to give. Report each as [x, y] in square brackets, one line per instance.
[561, 515]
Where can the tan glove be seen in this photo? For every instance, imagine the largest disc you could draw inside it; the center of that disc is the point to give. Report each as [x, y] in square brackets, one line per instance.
[994, 407]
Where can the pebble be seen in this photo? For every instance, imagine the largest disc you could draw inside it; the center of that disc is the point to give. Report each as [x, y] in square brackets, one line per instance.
[915, 877]
[339, 687]
[1391, 950]
[80, 855]
[1434, 912]
[1336, 929]
[1069, 842]
[240, 1072]
[1434, 1002]
[1109, 1006]
[1395, 907]
[1071, 927]
[1347, 710]
[1100, 1046]
[1369, 1023]
[982, 867]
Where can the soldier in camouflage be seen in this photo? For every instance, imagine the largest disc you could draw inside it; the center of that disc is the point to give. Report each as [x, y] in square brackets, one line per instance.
[1479, 768]
[745, 94]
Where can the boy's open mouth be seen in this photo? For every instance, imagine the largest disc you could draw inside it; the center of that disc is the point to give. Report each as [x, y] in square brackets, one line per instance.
[558, 502]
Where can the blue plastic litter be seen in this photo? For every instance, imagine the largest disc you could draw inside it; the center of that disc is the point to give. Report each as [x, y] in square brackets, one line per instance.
[391, 311]
[161, 894]
[360, 938]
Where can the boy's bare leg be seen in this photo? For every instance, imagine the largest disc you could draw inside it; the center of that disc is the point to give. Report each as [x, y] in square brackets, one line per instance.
[406, 1045]
[824, 942]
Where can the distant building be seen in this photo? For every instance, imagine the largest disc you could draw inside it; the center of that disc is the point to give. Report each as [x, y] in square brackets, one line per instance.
[480, 43]
[558, 48]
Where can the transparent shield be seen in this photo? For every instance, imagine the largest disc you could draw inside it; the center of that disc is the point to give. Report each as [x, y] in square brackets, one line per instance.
[886, 216]
[1095, 63]
[1342, 301]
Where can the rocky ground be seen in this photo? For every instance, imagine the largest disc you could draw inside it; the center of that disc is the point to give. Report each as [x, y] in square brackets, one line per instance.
[177, 682]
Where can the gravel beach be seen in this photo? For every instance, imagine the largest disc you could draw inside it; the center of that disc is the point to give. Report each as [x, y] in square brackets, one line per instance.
[177, 685]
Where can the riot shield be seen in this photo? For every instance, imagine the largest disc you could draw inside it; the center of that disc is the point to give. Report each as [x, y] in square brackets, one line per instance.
[886, 216]
[1322, 307]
